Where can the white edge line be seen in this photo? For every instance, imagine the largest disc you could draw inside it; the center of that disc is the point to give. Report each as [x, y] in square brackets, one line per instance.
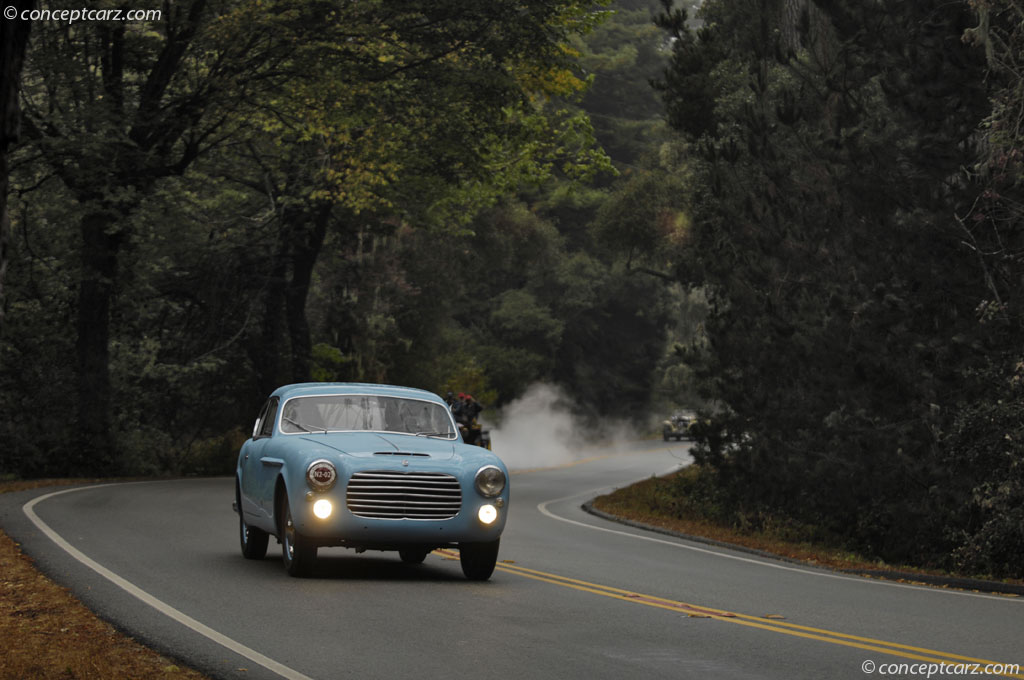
[543, 508]
[159, 605]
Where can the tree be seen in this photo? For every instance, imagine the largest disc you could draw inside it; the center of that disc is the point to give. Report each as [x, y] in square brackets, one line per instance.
[623, 54]
[432, 115]
[113, 109]
[239, 195]
[14, 35]
[345, 109]
[840, 291]
[983, 443]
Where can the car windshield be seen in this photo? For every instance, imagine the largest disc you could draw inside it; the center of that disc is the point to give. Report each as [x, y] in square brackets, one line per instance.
[349, 413]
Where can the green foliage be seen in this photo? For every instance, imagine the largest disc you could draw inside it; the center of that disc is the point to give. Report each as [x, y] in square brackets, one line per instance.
[247, 194]
[36, 393]
[465, 375]
[842, 337]
[520, 318]
[514, 301]
[329, 363]
[624, 53]
[197, 169]
[985, 454]
[983, 444]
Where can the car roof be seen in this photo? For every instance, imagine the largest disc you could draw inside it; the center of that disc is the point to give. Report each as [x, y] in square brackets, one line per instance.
[321, 388]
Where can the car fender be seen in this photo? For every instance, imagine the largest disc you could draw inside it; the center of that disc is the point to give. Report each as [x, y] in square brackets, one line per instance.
[290, 483]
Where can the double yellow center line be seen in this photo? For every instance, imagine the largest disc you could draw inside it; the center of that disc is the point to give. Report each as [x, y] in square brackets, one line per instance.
[763, 622]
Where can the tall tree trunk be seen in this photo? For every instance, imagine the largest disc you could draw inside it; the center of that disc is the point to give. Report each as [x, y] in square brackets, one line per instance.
[13, 41]
[306, 244]
[5, 234]
[269, 349]
[284, 351]
[794, 13]
[803, 25]
[97, 286]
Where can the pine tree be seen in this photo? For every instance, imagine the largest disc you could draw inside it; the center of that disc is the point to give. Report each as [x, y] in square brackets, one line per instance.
[830, 169]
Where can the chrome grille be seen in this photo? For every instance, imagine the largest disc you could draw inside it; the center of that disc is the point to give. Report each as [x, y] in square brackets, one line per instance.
[392, 494]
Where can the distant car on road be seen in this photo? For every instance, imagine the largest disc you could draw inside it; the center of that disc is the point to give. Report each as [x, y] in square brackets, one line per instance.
[369, 467]
[677, 427]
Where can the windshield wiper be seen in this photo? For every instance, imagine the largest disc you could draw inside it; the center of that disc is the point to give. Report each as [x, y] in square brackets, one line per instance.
[302, 427]
[446, 435]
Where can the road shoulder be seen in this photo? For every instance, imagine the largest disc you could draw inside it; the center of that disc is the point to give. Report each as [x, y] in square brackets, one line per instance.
[935, 580]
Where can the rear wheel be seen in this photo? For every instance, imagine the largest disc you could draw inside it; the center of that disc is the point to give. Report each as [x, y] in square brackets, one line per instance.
[478, 559]
[299, 554]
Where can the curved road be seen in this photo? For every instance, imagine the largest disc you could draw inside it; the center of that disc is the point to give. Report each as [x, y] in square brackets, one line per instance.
[573, 596]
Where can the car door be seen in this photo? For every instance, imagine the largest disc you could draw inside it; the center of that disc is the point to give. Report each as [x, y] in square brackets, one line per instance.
[257, 482]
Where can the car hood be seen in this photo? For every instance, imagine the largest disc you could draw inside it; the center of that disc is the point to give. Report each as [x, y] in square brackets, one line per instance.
[365, 444]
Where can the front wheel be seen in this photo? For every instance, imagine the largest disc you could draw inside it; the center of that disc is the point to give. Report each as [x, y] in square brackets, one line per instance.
[478, 559]
[254, 541]
[298, 553]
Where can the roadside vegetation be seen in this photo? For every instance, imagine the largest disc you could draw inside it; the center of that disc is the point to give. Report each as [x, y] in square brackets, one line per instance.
[857, 227]
[674, 502]
[680, 503]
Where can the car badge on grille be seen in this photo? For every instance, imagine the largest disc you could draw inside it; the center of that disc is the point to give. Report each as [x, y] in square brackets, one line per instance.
[405, 463]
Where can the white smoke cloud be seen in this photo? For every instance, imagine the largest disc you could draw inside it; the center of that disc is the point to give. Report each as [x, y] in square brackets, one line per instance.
[539, 430]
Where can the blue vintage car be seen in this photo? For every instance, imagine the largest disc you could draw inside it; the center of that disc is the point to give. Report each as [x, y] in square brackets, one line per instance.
[369, 467]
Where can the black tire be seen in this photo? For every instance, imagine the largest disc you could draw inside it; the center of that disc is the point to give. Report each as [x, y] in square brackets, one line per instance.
[478, 559]
[253, 541]
[413, 555]
[298, 553]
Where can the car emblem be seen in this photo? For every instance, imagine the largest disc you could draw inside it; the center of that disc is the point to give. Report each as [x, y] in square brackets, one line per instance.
[405, 463]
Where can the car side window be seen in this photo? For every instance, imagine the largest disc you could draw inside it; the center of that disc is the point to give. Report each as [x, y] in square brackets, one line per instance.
[269, 416]
[259, 419]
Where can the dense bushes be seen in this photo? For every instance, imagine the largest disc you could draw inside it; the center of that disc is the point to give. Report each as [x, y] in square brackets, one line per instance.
[861, 269]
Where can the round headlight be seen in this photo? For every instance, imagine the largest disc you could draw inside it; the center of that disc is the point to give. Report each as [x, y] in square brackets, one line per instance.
[487, 514]
[321, 475]
[490, 481]
[322, 508]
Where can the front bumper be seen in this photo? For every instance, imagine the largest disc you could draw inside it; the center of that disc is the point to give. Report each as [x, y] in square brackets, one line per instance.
[343, 527]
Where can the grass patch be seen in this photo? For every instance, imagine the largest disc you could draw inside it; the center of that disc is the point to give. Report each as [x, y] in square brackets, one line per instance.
[48, 633]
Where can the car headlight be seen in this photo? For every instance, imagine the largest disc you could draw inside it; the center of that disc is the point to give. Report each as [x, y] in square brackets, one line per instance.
[322, 508]
[487, 514]
[490, 481]
[321, 475]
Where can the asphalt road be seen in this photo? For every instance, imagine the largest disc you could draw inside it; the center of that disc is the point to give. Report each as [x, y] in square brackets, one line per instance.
[574, 596]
